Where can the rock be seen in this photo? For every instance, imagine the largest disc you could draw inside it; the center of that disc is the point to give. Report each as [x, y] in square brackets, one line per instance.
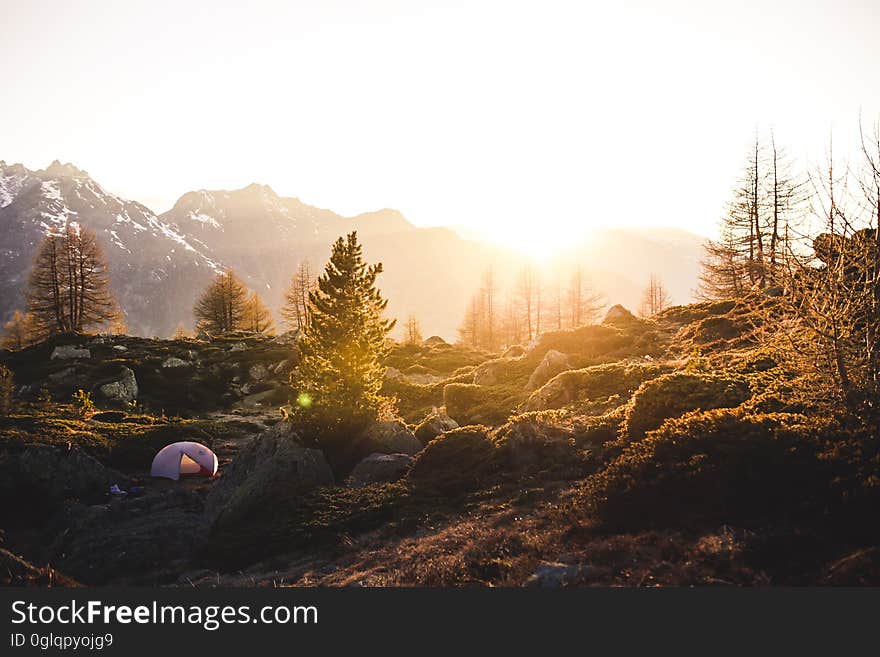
[69, 351]
[283, 367]
[434, 341]
[421, 379]
[173, 362]
[529, 440]
[271, 460]
[36, 479]
[552, 364]
[120, 347]
[62, 377]
[436, 423]
[258, 372]
[618, 314]
[554, 575]
[203, 336]
[378, 468]
[391, 437]
[288, 338]
[238, 346]
[515, 351]
[394, 374]
[493, 372]
[123, 389]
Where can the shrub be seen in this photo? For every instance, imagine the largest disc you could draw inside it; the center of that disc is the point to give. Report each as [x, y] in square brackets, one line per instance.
[715, 466]
[83, 404]
[534, 440]
[599, 429]
[672, 395]
[7, 389]
[468, 403]
[454, 462]
[594, 383]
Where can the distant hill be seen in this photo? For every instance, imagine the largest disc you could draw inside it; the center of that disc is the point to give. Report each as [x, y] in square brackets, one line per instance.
[159, 264]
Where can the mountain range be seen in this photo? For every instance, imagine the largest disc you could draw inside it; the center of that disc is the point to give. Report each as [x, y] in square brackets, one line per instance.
[160, 263]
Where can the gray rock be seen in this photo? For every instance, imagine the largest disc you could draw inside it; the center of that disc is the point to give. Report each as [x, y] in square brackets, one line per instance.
[123, 389]
[238, 346]
[258, 372]
[394, 374]
[65, 376]
[515, 351]
[617, 314]
[436, 423]
[423, 379]
[120, 347]
[434, 341]
[173, 362]
[552, 364]
[273, 458]
[493, 372]
[553, 575]
[391, 437]
[69, 351]
[288, 338]
[378, 468]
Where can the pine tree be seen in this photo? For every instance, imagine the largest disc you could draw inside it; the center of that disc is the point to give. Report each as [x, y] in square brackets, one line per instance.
[68, 287]
[222, 306]
[257, 317]
[336, 385]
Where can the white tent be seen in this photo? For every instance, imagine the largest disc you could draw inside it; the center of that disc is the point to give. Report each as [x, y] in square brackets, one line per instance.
[184, 458]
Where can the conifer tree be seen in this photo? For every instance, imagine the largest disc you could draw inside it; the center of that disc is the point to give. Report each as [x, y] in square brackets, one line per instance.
[257, 316]
[18, 332]
[336, 386]
[69, 288]
[222, 306]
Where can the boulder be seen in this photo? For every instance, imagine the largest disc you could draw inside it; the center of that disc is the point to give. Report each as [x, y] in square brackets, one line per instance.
[173, 362]
[528, 440]
[36, 479]
[283, 367]
[122, 390]
[493, 372]
[69, 351]
[394, 374]
[515, 351]
[120, 347]
[288, 337]
[552, 364]
[422, 379]
[553, 575]
[379, 468]
[434, 341]
[618, 314]
[63, 377]
[391, 437]
[273, 459]
[258, 372]
[238, 346]
[433, 425]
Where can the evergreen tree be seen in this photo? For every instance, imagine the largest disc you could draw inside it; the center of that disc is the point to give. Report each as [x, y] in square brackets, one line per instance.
[336, 385]
[222, 306]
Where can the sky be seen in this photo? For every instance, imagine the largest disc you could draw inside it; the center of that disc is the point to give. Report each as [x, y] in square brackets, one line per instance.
[529, 123]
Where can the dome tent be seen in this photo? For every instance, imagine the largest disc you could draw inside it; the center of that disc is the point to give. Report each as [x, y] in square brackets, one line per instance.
[184, 458]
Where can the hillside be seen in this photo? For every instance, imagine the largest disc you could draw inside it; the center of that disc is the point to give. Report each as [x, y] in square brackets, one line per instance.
[159, 264]
[675, 451]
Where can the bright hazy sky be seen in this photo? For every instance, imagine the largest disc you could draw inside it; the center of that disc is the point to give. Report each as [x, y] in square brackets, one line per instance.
[529, 122]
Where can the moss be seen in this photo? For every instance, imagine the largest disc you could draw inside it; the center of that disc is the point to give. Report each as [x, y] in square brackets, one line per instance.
[454, 462]
[468, 403]
[696, 311]
[672, 395]
[596, 430]
[718, 466]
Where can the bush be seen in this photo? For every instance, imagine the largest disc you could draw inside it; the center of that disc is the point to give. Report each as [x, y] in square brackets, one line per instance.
[534, 440]
[468, 403]
[83, 404]
[594, 383]
[672, 395]
[715, 466]
[455, 462]
[599, 429]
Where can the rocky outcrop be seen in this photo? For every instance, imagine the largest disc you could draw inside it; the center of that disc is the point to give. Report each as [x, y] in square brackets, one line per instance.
[36, 479]
[123, 389]
[434, 341]
[617, 314]
[379, 468]
[552, 364]
[272, 459]
[493, 372]
[436, 423]
[173, 362]
[69, 351]
[391, 437]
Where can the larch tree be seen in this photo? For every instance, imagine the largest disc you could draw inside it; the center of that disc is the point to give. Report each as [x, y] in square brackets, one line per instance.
[412, 331]
[654, 298]
[469, 331]
[296, 300]
[257, 316]
[222, 306]
[19, 332]
[336, 386]
[584, 304]
[69, 287]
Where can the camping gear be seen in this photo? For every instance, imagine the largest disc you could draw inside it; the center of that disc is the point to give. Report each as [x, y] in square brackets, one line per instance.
[116, 490]
[184, 458]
